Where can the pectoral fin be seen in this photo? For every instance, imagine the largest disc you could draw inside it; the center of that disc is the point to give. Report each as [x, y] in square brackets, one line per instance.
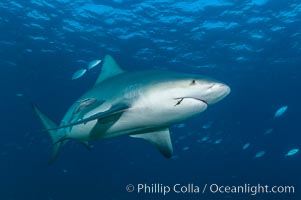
[116, 109]
[161, 139]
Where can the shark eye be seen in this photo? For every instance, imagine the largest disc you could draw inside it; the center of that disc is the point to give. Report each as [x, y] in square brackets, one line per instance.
[193, 82]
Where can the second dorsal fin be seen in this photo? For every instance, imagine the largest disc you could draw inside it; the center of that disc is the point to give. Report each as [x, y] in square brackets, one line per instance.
[109, 69]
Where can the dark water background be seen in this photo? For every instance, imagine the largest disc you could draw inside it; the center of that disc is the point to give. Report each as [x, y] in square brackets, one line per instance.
[254, 46]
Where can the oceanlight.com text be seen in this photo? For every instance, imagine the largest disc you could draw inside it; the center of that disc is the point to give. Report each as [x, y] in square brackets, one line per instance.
[191, 188]
[251, 189]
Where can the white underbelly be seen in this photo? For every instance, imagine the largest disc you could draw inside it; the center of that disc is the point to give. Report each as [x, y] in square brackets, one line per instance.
[131, 122]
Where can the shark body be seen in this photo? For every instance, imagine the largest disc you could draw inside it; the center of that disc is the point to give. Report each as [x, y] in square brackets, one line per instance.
[140, 104]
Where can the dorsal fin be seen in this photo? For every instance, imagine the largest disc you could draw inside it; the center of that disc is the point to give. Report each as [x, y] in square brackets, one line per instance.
[109, 69]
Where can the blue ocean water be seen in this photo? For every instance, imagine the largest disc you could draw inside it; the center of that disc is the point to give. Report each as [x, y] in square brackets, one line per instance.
[252, 45]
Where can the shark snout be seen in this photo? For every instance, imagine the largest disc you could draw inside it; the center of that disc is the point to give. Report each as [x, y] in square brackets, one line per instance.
[225, 89]
[216, 92]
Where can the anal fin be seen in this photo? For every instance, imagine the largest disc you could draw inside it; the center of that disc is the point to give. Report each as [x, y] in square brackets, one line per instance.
[160, 139]
[87, 145]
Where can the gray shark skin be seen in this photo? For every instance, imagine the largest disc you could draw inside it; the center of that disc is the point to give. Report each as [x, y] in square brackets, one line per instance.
[139, 104]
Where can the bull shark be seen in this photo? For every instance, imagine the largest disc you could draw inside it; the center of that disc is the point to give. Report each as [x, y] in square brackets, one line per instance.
[142, 104]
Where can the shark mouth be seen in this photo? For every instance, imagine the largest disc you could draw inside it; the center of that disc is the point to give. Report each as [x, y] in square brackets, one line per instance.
[182, 98]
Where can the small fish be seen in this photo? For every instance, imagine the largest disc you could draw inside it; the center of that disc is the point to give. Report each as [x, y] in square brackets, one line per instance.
[185, 148]
[78, 74]
[259, 154]
[19, 95]
[93, 64]
[175, 157]
[292, 152]
[268, 131]
[207, 125]
[181, 125]
[206, 138]
[246, 146]
[84, 103]
[218, 141]
[280, 111]
[182, 137]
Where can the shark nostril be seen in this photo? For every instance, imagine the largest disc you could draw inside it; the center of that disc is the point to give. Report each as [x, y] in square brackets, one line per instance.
[211, 86]
[216, 86]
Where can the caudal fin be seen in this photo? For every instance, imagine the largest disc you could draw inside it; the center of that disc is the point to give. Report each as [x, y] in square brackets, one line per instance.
[55, 135]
